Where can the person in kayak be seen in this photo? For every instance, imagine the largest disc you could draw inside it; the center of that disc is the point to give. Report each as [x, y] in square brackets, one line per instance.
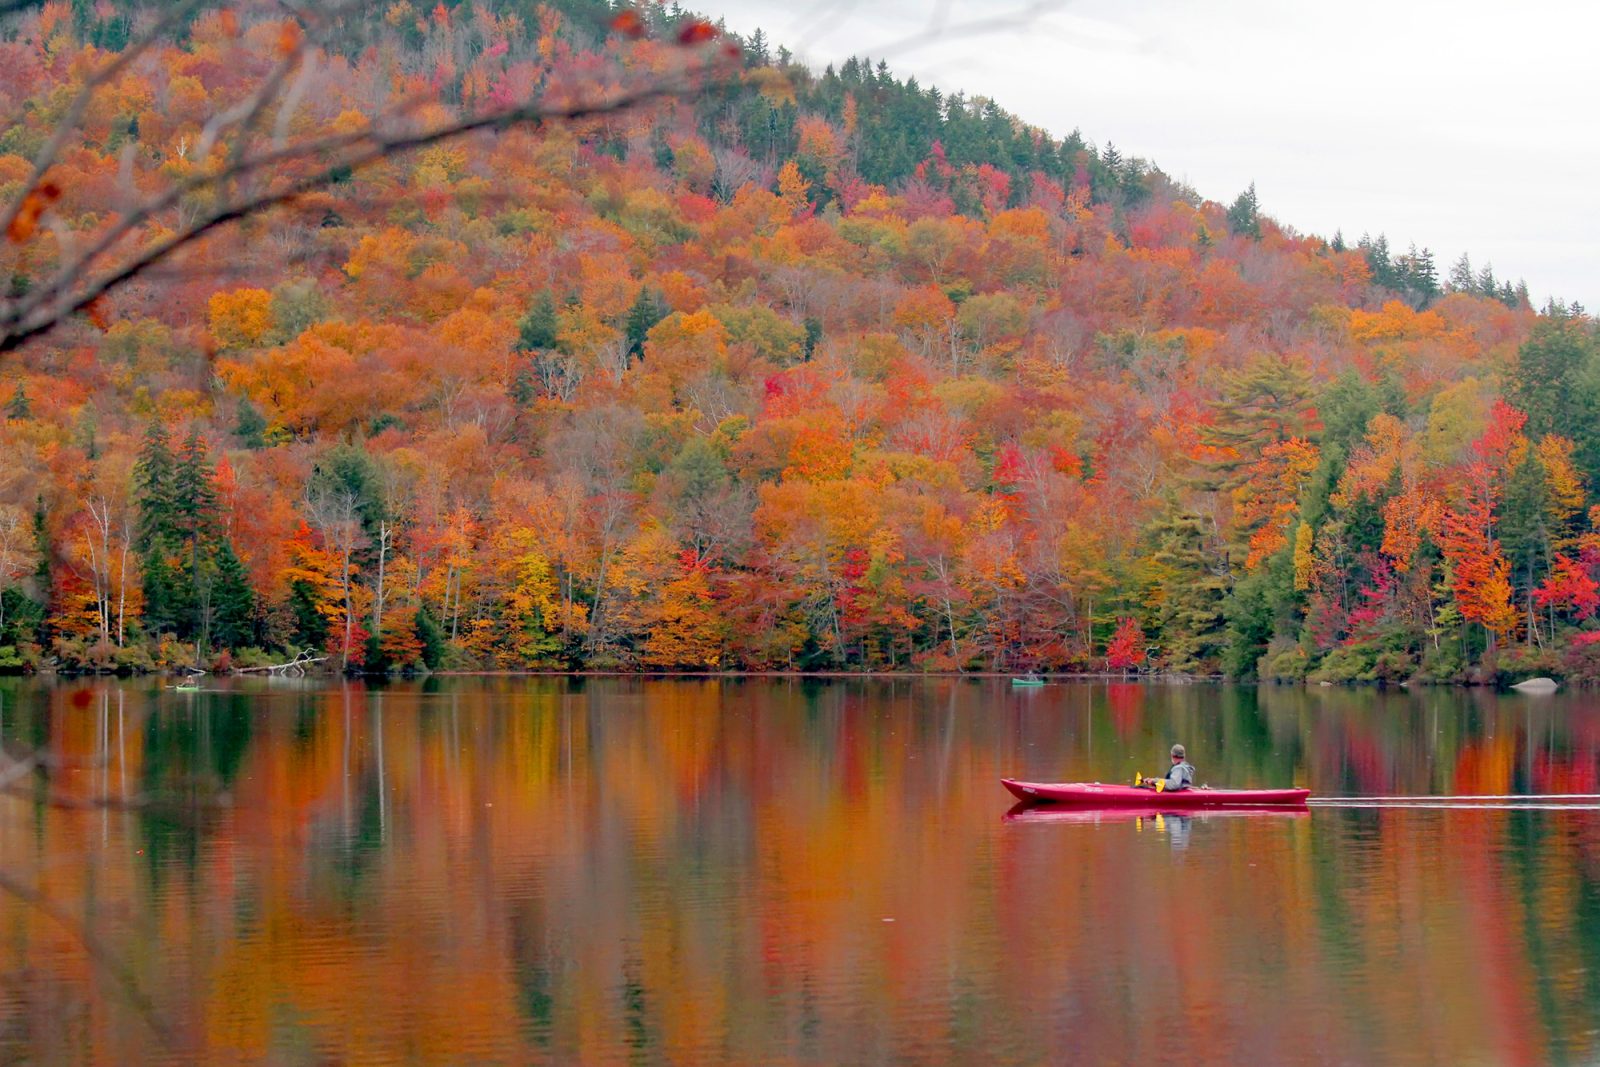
[1181, 776]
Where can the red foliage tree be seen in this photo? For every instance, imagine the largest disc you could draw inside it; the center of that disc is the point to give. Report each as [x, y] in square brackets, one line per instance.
[1127, 648]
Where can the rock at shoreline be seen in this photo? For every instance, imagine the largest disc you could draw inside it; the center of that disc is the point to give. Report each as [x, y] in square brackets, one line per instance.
[1536, 685]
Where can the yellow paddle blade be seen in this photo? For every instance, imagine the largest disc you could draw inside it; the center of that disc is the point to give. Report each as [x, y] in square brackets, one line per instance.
[1138, 778]
[1161, 785]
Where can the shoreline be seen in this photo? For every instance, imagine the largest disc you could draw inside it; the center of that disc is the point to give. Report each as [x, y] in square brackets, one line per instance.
[834, 675]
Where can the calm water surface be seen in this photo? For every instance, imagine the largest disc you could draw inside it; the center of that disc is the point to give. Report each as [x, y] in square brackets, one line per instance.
[486, 871]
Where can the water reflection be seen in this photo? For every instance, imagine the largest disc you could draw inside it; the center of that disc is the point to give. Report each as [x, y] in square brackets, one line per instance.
[497, 870]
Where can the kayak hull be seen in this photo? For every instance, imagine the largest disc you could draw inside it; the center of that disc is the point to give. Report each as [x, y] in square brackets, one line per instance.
[1095, 795]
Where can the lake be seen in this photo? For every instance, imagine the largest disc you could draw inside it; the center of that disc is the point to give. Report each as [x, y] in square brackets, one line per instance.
[632, 871]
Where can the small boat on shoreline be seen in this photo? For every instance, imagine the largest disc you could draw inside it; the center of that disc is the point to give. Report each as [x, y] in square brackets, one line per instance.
[1096, 795]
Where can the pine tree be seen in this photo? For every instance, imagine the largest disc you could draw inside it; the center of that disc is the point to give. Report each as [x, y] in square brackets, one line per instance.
[1244, 216]
[233, 601]
[1188, 589]
[194, 496]
[153, 489]
[1424, 273]
[539, 327]
[42, 548]
[1486, 285]
[757, 50]
[1524, 524]
[195, 521]
[1379, 260]
[1556, 382]
[1266, 402]
[432, 637]
[18, 408]
[1462, 279]
[165, 609]
[249, 427]
[647, 310]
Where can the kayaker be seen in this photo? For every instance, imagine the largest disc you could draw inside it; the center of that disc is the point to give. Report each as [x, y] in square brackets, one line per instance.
[1181, 776]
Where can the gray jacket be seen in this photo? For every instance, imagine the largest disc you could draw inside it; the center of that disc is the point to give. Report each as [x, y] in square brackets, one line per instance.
[1181, 776]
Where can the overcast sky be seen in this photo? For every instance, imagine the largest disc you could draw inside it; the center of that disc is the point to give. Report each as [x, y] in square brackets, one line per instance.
[1465, 126]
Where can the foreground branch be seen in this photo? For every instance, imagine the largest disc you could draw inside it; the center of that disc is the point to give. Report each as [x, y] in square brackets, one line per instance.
[83, 279]
[99, 952]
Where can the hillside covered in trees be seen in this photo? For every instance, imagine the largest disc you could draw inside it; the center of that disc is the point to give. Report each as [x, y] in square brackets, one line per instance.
[800, 372]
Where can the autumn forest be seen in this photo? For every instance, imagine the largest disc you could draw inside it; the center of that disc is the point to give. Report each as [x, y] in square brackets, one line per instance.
[787, 370]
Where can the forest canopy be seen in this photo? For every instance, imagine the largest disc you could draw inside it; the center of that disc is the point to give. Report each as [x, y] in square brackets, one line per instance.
[797, 370]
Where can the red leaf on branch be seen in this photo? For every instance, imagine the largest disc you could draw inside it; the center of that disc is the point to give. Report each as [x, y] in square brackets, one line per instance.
[697, 31]
[629, 24]
[32, 209]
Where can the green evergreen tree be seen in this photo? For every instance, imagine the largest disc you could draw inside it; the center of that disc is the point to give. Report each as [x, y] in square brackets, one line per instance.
[540, 326]
[196, 524]
[194, 494]
[1424, 274]
[310, 625]
[18, 407]
[1555, 382]
[153, 489]
[1346, 405]
[524, 387]
[1461, 278]
[165, 608]
[1244, 217]
[23, 617]
[647, 310]
[1189, 584]
[813, 335]
[249, 427]
[1266, 401]
[1486, 284]
[431, 634]
[1262, 606]
[1525, 529]
[233, 601]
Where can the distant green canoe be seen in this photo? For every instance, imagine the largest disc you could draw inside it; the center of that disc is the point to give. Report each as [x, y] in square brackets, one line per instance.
[1027, 681]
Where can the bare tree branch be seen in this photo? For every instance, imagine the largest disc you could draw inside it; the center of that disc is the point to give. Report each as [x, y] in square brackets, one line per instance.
[46, 306]
[80, 280]
[80, 104]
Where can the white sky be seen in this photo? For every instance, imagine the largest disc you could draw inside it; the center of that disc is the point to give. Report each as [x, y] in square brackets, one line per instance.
[1465, 126]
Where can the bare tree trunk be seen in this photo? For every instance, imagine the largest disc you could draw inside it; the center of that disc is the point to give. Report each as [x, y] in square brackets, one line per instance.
[384, 532]
[122, 594]
[349, 608]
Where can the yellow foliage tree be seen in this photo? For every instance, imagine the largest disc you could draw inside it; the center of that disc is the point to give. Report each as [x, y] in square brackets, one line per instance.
[240, 318]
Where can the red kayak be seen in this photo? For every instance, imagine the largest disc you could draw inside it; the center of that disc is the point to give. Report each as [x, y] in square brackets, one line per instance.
[1095, 795]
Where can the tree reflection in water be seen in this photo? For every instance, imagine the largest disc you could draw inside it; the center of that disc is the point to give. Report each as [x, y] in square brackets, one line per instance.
[512, 870]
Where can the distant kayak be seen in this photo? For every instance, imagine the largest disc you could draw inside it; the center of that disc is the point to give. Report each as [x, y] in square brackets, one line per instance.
[1095, 795]
[1027, 681]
